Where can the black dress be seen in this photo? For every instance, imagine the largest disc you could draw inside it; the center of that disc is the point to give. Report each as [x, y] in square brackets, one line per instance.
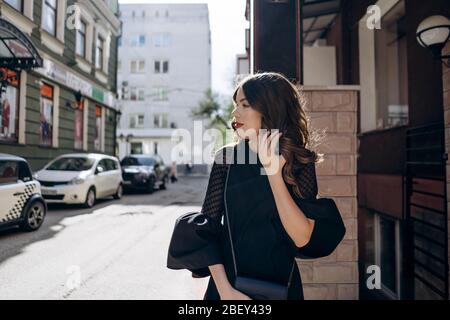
[262, 246]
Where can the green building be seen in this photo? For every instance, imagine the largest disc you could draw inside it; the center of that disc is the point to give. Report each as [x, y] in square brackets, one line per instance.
[68, 104]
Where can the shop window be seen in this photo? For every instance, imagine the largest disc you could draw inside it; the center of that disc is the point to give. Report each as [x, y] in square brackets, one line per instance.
[392, 70]
[79, 126]
[387, 254]
[9, 107]
[46, 115]
[98, 128]
[136, 148]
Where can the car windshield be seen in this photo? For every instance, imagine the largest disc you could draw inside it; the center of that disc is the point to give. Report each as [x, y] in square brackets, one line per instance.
[138, 161]
[71, 164]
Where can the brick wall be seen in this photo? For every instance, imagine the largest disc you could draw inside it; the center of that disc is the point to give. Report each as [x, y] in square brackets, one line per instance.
[446, 86]
[335, 110]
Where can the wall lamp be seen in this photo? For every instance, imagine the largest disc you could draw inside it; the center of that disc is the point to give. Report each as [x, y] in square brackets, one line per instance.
[433, 33]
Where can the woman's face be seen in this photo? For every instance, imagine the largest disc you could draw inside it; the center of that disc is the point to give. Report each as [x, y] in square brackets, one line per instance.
[247, 121]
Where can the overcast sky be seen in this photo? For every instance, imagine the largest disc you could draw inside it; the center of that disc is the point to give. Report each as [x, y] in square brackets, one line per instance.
[228, 25]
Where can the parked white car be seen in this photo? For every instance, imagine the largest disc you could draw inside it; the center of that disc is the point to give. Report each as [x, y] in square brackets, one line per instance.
[81, 179]
[20, 195]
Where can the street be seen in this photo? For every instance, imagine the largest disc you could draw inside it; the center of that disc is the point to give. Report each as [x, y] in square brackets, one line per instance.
[117, 250]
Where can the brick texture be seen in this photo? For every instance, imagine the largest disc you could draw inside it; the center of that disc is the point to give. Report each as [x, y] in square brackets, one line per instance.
[334, 113]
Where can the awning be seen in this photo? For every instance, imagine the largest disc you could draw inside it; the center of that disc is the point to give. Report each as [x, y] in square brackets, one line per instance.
[17, 52]
[318, 16]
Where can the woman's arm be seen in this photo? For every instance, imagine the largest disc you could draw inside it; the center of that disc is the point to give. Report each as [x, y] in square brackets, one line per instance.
[225, 289]
[295, 222]
[297, 225]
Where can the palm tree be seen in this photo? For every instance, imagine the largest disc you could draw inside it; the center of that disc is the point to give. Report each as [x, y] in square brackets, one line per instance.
[209, 107]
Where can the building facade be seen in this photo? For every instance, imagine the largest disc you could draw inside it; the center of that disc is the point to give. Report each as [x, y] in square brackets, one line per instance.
[391, 142]
[164, 71]
[331, 108]
[69, 104]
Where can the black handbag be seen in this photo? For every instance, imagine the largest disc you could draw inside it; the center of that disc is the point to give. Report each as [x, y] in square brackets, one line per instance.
[256, 289]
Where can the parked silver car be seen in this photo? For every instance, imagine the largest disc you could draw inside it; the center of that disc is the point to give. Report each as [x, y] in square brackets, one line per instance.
[81, 178]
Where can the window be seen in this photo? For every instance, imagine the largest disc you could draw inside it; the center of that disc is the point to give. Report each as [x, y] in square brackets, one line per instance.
[99, 53]
[140, 120]
[134, 41]
[387, 254]
[391, 71]
[119, 66]
[133, 93]
[98, 128]
[137, 66]
[160, 94]
[8, 172]
[161, 66]
[46, 115]
[136, 121]
[79, 127]
[24, 172]
[102, 166]
[81, 40]
[138, 161]
[142, 40]
[9, 108]
[110, 165]
[16, 4]
[160, 120]
[141, 66]
[49, 18]
[162, 40]
[71, 164]
[141, 94]
[136, 148]
[138, 40]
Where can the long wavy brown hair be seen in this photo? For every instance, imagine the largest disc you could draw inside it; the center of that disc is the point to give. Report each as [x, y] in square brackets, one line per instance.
[282, 107]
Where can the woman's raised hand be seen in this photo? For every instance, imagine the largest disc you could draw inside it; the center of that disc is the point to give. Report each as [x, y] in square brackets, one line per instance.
[267, 147]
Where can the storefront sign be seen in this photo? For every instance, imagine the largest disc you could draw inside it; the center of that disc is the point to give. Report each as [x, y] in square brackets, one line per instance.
[69, 79]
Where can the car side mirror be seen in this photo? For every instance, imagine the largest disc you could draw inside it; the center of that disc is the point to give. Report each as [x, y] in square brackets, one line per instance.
[99, 169]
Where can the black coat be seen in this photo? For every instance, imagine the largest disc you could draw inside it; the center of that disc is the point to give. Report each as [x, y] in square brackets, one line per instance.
[262, 246]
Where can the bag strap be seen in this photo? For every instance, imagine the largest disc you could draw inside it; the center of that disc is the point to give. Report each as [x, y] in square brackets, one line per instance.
[229, 232]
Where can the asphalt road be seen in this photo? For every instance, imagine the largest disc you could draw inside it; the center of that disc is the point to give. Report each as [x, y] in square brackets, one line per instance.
[117, 250]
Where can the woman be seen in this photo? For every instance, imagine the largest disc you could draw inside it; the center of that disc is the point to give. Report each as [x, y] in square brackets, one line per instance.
[262, 199]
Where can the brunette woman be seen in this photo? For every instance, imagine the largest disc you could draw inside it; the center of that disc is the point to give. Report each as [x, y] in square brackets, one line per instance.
[262, 199]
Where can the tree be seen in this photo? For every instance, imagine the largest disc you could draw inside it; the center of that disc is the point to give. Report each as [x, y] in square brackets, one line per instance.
[218, 113]
[209, 107]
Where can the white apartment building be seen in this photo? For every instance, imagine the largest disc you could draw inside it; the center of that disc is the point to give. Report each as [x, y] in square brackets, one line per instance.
[164, 70]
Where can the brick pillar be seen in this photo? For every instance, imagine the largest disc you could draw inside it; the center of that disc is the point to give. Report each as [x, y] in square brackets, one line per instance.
[446, 103]
[335, 110]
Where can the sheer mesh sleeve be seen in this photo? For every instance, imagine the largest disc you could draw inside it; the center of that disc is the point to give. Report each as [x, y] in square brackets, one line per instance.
[306, 176]
[213, 204]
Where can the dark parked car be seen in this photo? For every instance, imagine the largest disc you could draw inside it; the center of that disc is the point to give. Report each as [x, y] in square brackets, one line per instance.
[144, 172]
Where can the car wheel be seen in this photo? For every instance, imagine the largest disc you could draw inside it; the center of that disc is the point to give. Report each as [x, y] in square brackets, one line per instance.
[151, 186]
[163, 183]
[90, 198]
[119, 192]
[34, 217]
